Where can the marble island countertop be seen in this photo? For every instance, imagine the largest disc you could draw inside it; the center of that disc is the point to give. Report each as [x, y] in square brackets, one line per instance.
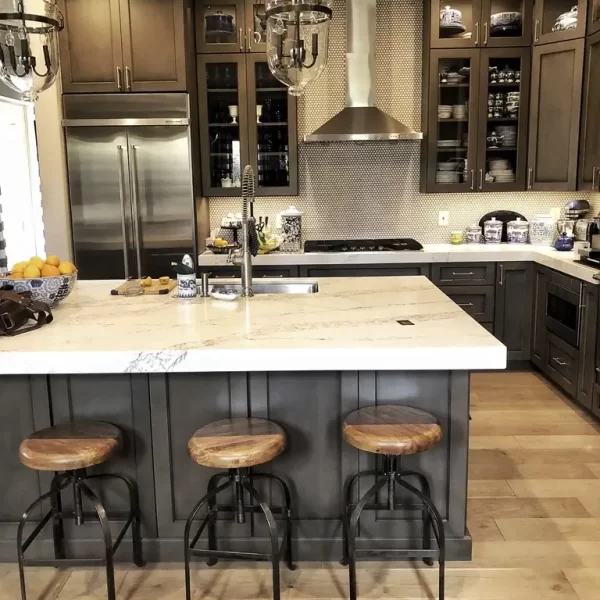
[350, 324]
[432, 253]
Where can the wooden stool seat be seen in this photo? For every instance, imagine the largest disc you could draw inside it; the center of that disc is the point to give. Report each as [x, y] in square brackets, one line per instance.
[392, 430]
[71, 446]
[237, 443]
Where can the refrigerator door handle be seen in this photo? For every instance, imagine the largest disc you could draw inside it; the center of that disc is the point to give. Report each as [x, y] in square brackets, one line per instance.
[123, 215]
[136, 216]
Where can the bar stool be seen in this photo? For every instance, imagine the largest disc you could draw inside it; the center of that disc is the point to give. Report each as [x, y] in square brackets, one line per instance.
[392, 431]
[69, 450]
[238, 445]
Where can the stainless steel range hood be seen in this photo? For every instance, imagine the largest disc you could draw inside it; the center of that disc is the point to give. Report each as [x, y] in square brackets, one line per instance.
[361, 120]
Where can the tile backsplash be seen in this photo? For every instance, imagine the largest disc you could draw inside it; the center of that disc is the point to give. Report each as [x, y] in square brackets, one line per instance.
[372, 189]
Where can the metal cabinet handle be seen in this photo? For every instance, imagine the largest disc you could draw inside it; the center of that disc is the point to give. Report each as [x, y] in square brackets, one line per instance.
[136, 216]
[463, 274]
[594, 178]
[485, 33]
[128, 79]
[560, 362]
[501, 282]
[241, 39]
[597, 370]
[536, 29]
[221, 276]
[477, 33]
[467, 304]
[480, 179]
[267, 276]
[250, 38]
[123, 216]
[472, 179]
[529, 178]
[119, 79]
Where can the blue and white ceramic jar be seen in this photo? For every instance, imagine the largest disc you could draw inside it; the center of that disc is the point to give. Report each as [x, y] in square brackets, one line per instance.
[492, 231]
[291, 229]
[541, 230]
[517, 231]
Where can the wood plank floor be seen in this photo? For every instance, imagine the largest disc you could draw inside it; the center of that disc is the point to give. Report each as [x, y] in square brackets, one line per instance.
[534, 514]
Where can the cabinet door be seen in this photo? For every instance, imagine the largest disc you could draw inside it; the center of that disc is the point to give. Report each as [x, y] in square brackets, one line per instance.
[593, 23]
[256, 26]
[514, 297]
[589, 138]
[220, 26]
[539, 337]
[153, 45]
[90, 47]
[587, 345]
[363, 271]
[458, 26]
[223, 101]
[272, 131]
[503, 114]
[507, 23]
[452, 128]
[556, 22]
[556, 85]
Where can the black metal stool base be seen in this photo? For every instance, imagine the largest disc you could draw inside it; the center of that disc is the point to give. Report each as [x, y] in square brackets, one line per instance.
[241, 481]
[391, 477]
[77, 479]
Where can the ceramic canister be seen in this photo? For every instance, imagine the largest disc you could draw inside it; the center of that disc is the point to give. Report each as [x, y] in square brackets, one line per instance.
[492, 231]
[291, 227]
[517, 232]
[541, 230]
[187, 286]
[473, 234]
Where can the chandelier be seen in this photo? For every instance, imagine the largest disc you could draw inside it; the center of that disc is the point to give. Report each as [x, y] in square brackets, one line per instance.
[29, 45]
[298, 41]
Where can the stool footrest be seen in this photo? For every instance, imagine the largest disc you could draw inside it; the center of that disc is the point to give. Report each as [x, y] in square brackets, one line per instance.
[63, 562]
[231, 554]
[397, 553]
[276, 510]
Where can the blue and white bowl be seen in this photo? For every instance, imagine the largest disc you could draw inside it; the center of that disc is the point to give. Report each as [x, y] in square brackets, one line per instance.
[506, 18]
[50, 290]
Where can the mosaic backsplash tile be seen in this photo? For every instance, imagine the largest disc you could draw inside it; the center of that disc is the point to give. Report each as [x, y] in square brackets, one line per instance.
[372, 189]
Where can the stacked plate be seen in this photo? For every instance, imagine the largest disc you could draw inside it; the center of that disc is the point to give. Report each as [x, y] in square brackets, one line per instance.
[444, 111]
[447, 177]
[508, 134]
[459, 111]
[500, 171]
[449, 144]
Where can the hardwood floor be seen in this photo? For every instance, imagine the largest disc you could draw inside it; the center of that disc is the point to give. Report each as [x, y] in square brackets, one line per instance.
[534, 514]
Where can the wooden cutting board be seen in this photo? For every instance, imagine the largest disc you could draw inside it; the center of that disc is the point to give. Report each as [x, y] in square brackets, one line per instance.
[156, 288]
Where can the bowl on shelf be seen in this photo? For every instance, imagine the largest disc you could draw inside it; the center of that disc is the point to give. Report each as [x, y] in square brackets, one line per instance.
[222, 249]
[506, 18]
[50, 290]
[268, 244]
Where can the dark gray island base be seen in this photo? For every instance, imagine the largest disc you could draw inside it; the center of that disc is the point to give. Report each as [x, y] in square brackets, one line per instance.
[158, 414]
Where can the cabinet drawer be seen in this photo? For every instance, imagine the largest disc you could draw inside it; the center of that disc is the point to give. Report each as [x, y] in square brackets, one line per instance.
[562, 364]
[565, 281]
[477, 301]
[464, 274]
[257, 272]
[363, 271]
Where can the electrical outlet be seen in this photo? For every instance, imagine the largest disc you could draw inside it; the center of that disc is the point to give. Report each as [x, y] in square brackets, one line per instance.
[555, 213]
[444, 218]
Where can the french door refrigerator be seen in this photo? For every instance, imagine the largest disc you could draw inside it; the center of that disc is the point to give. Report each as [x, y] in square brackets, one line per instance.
[130, 183]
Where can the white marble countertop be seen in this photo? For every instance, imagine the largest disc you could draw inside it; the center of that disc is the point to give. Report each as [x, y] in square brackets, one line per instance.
[432, 253]
[350, 324]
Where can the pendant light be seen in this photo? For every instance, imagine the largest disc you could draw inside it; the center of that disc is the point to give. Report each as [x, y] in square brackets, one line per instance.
[29, 45]
[298, 41]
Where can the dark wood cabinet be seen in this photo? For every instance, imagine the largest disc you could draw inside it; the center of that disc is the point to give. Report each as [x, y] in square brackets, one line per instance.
[556, 86]
[547, 13]
[444, 34]
[514, 304]
[593, 19]
[589, 137]
[363, 270]
[587, 344]
[497, 32]
[538, 338]
[123, 46]
[463, 274]
[475, 300]
[234, 272]
[246, 117]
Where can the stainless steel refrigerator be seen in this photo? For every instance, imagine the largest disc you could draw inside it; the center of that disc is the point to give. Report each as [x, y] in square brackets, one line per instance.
[130, 183]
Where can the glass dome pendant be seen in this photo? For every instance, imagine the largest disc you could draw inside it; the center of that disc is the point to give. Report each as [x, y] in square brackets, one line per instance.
[298, 41]
[29, 45]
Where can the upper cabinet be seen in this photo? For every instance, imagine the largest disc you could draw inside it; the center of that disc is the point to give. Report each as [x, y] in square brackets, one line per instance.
[227, 26]
[556, 84]
[559, 20]
[593, 16]
[123, 46]
[480, 23]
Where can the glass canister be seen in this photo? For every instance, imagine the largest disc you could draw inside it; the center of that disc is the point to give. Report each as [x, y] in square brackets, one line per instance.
[517, 231]
[541, 230]
[473, 234]
[291, 229]
[492, 231]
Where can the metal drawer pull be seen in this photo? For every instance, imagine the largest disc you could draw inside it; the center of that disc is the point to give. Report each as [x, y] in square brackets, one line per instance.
[529, 178]
[463, 274]
[560, 362]
[468, 304]
[128, 81]
[272, 276]
[241, 39]
[485, 33]
[536, 37]
[120, 82]
[476, 34]
[597, 370]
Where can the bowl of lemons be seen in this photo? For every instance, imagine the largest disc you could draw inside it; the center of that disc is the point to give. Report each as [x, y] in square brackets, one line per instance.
[49, 280]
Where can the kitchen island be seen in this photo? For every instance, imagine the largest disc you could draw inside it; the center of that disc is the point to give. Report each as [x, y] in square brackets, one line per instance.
[160, 368]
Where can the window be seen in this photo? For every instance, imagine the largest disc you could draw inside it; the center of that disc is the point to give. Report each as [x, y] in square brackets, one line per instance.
[20, 195]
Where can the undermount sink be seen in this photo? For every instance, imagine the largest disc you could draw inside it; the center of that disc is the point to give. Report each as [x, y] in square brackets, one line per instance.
[270, 286]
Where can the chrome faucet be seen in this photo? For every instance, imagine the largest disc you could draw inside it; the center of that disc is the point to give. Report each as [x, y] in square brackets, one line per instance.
[243, 256]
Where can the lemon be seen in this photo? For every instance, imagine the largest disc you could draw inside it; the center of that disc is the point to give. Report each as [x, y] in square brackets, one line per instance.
[147, 282]
[66, 268]
[164, 280]
[50, 271]
[19, 267]
[53, 260]
[36, 261]
[31, 272]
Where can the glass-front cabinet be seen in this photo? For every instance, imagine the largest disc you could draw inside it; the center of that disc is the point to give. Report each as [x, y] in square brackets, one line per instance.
[593, 16]
[455, 23]
[559, 20]
[452, 126]
[256, 25]
[503, 118]
[246, 117]
[506, 23]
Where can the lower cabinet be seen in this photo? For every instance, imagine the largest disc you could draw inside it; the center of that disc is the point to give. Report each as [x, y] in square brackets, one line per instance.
[475, 300]
[538, 338]
[562, 364]
[363, 270]
[587, 345]
[234, 272]
[514, 298]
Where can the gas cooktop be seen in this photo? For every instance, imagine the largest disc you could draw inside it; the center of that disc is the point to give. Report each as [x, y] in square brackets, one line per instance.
[389, 245]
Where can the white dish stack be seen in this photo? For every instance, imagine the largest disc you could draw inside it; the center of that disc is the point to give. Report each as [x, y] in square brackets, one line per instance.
[500, 171]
